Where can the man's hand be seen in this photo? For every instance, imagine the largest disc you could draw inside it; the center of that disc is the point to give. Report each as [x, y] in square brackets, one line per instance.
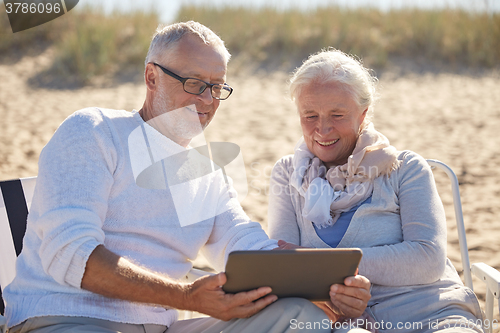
[350, 299]
[205, 295]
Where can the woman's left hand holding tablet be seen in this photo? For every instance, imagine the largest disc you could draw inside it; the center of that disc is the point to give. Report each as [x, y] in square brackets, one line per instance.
[349, 300]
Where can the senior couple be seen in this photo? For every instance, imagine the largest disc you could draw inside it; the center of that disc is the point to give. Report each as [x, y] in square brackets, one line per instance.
[112, 228]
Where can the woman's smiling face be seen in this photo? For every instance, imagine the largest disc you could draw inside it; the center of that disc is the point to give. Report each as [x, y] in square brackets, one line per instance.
[330, 119]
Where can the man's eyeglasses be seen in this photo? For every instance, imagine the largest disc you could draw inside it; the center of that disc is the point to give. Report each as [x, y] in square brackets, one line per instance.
[197, 86]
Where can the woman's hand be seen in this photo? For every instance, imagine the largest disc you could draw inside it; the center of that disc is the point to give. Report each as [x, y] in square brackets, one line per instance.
[282, 245]
[350, 299]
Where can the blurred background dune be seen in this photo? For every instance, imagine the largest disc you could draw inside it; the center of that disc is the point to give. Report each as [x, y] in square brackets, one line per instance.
[439, 87]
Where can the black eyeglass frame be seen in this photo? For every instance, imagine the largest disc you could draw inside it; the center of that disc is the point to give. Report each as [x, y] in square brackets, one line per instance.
[184, 79]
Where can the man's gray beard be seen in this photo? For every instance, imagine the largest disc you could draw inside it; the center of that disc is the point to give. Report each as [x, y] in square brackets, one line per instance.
[182, 122]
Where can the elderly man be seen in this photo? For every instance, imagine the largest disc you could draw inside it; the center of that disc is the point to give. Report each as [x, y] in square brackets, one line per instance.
[107, 238]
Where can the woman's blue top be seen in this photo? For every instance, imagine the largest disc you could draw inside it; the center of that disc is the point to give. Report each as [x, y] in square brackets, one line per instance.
[333, 235]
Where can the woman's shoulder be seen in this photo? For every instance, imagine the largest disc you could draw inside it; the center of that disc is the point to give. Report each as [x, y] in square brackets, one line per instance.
[411, 159]
[284, 163]
[283, 168]
[410, 165]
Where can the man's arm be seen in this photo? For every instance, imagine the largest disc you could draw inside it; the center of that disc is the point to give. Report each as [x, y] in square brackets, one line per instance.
[113, 276]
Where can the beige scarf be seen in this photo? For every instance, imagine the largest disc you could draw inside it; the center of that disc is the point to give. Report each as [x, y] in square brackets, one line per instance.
[328, 193]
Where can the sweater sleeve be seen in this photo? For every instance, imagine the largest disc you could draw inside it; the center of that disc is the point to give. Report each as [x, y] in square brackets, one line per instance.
[420, 257]
[282, 217]
[70, 202]
[233, 231]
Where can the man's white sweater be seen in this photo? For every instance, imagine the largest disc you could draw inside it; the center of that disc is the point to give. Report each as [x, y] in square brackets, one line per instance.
[87, 195]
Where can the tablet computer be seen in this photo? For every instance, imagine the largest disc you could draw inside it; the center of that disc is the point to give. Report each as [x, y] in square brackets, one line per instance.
[306, 273]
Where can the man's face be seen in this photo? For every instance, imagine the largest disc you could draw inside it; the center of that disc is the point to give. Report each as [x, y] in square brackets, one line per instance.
[191, 113]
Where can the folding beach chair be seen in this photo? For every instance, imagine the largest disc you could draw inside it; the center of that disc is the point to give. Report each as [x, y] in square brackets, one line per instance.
[16, 199]
[487, 274]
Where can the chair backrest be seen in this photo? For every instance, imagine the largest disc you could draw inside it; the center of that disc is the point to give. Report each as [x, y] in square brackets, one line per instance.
[15, 199]
[457, 203]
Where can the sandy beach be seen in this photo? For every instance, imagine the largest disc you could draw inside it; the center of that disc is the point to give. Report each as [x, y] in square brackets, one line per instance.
[450, 117]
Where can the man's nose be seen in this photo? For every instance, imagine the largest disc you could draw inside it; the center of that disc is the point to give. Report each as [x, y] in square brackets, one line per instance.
[206, 96]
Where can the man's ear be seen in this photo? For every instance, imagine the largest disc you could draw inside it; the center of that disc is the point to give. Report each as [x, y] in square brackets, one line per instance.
[151, 77]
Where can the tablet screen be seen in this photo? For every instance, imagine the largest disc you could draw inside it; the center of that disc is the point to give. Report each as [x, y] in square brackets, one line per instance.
[306, 273]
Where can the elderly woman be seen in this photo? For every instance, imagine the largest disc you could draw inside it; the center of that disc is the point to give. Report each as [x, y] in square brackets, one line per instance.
[346, 186]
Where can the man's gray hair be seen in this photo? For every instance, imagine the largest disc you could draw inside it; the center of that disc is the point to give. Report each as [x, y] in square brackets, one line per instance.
[166, 37]
[335, 66]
